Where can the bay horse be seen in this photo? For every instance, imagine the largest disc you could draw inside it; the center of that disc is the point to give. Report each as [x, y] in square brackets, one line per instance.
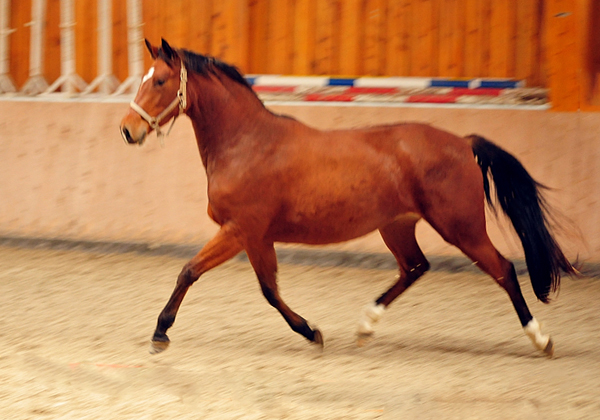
[274, 179]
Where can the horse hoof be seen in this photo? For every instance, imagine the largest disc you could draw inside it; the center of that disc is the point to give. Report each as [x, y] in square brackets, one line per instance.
[318, 338]
[158, 346]
[362, 339]
[549, 349]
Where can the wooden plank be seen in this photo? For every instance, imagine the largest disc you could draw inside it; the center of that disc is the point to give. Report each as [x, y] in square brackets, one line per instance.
[52, 41]
[218, 28]
[236, 16]
[86, 39]
[258, 18]
[169, 21]
[471, 65]
[198, 15]
[485, 53]
[562, 54]
[394, 37]
[229, 21]
[592, 33]
[279, 36]
[525, 21]
[451, 38]
[589, 40]
[425, 29]
[477, 40]
[160, 20]
[351, 37]
[502, 38]
[119, 39]
[324, 38]
[336, 52]
[151, 27]
[175, 24]
[19, 41]
[229, 31]
[403, 22]
[374, 44]
[528, 57]
[304, 37]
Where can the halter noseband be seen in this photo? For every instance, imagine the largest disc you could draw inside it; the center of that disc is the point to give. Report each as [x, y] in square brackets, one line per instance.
[180, 99]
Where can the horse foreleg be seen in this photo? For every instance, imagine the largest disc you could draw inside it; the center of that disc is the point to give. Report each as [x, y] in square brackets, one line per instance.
[264, 261]
[400, 239]
[225, 245]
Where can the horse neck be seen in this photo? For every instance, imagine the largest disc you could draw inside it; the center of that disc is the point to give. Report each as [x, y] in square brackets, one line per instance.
[222, 112]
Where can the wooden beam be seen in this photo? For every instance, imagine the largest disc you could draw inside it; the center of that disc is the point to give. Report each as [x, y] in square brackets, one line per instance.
[425, 27]
[451, 38]
[562, 54]
[351, 37]
[304, 37]
[258, 17]
[324, 37]
[502, 38]
[280, 36]
[374, 37]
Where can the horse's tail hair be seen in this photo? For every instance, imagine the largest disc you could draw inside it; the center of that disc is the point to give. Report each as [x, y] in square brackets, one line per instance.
[521, 200]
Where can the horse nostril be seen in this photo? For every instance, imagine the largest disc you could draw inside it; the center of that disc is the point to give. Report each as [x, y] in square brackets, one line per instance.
[126, 135]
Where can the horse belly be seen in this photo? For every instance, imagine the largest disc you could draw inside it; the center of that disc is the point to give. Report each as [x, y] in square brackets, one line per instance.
[336, 217]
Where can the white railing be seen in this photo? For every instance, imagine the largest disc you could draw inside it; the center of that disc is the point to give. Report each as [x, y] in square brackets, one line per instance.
[36, 82]
[134, 47]
[106, 82]
[6, 83]
[69, 83]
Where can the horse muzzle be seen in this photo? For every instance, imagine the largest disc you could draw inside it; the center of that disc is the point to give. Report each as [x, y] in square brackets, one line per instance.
[129, 139]
[133, 133]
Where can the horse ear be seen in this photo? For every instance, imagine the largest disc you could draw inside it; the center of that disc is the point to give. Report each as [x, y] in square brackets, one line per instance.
[153, 50]
[167, 49]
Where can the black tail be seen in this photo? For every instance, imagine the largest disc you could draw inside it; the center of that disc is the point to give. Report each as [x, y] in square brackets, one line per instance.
[520, 198]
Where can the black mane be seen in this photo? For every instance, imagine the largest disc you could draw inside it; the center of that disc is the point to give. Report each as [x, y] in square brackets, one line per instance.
[205, 64]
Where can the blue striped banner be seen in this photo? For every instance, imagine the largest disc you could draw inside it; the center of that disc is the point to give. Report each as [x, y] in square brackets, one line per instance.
[399, 82]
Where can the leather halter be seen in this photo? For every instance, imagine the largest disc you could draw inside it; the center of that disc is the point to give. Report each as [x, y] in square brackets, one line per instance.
[180, 99]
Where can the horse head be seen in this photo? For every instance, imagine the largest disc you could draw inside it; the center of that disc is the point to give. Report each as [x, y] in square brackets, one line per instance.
[161, 95]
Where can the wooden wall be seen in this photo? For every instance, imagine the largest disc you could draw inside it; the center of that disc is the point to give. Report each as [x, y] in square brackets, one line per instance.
[523, 39]
[572, 57]
[456, 38]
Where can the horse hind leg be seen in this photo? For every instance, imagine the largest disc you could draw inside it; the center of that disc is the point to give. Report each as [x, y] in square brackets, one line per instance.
[470, 236]
[400, 239]
[503, 271]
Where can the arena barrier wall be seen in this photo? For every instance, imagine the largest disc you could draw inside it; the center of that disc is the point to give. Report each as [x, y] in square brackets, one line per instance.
[67, 174]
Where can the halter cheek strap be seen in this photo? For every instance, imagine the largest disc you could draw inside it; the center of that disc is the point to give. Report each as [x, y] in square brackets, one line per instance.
[180, 99]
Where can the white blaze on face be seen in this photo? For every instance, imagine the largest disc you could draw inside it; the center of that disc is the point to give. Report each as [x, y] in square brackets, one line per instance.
[148, 75]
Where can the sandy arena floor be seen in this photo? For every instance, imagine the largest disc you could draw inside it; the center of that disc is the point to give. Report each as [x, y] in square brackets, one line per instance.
[76, 326]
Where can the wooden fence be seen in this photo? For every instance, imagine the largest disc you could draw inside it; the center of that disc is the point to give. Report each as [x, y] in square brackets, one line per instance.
[449, 38]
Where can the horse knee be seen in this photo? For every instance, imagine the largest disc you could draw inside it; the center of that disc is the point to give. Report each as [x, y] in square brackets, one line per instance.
[188, 276]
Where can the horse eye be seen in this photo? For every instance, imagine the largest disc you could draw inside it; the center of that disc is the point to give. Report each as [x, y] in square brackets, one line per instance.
[160, 82]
